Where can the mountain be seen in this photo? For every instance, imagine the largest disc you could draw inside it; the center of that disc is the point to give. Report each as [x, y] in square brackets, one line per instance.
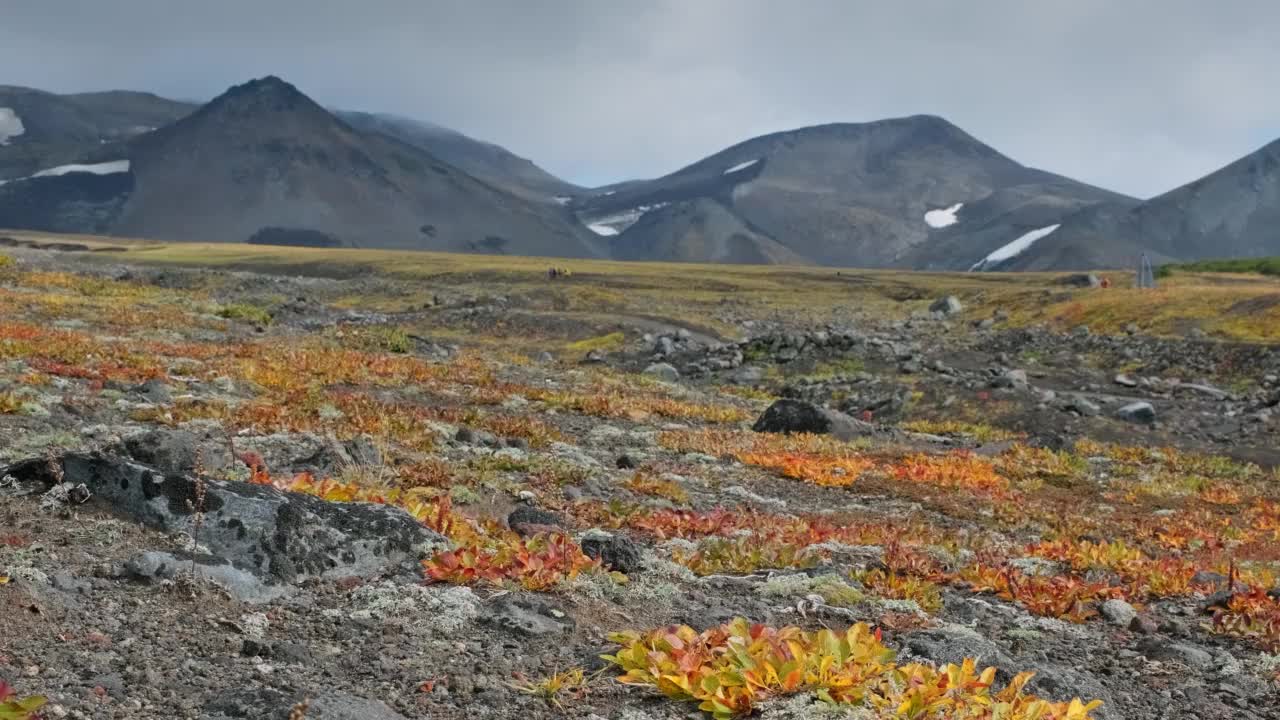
[877, 194]
[263, 163]
[264, 160]
[1233, 212]
[41, 130]
[492, 163]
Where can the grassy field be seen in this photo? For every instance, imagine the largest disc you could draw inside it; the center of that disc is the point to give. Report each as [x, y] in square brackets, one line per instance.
[1244, 307]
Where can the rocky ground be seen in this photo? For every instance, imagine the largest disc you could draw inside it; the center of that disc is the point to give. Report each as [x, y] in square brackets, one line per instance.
[229, 495]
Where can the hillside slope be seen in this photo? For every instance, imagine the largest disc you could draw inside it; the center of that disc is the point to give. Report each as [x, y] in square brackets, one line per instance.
[41, 130]
[1232, 212]
[491, 163]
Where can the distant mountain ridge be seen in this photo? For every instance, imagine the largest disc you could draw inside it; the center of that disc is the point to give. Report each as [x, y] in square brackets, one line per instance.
[265, 162]
[265, 156]
[853, 193]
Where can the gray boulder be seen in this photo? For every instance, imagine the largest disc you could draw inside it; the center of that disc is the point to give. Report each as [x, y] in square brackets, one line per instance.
[278, 537]
[178, 450]
[947, 306]
[156, 566]
[1137, 412]
[1013, 379]
[663, 371]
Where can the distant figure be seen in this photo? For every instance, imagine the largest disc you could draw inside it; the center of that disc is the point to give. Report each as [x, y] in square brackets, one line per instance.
[1146, 273]
[551, 274]
[1106, 283]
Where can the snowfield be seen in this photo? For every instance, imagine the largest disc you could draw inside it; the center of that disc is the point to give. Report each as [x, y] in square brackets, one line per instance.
[602, 230]
[1015, 248]
[10, 125]
[562, 199]
[610, 225]
[106, 168]
[741, 166]
[944, 217]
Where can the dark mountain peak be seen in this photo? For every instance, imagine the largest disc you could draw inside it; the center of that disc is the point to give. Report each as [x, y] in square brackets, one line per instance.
[266, 83]
[268, 94]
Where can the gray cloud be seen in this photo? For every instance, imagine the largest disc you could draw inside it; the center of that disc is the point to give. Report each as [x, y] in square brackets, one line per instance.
[1138, 96]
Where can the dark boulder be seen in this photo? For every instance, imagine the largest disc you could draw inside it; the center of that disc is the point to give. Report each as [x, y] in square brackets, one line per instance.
[278, 537]
[796, 416]
[616, 552]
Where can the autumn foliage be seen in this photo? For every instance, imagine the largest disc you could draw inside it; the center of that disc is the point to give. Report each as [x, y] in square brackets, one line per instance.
[729, 670]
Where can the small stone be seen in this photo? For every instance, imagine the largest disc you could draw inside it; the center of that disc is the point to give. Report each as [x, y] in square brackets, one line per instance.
[663, 371]
[1144, 625]
[1118, 612]
[1125, 381]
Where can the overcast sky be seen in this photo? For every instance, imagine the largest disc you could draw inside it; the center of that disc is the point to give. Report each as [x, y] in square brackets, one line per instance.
[1139, 95]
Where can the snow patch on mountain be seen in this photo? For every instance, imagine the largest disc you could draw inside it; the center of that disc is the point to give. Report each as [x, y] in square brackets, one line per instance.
[741, 166]
[602, 230]
[106, 168]
[610, 225]
[943, 217]
[1015, 248]
[10, 125]
[562, 199]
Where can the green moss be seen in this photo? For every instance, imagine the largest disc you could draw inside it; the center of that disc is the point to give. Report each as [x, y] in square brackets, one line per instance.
[379, 338]
[836, 368]
[606, 343]
[245, 312]
[832, 589]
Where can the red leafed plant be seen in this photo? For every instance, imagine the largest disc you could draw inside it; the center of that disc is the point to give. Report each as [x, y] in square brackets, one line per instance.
[1254, 615]
[535, 563]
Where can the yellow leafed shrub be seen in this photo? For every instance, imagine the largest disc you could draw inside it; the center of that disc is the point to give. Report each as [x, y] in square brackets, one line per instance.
[730, 669]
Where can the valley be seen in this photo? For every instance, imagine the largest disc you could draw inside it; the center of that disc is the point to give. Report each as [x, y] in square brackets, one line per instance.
[241, 480]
